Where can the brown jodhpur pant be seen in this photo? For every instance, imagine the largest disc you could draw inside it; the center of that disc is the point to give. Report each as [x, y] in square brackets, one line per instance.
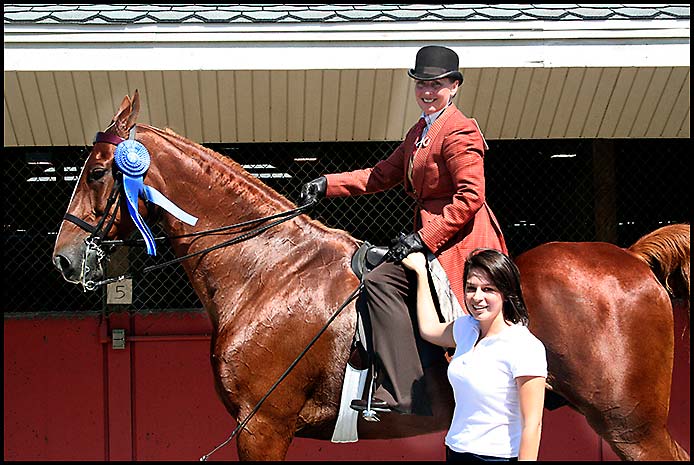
[401, 354]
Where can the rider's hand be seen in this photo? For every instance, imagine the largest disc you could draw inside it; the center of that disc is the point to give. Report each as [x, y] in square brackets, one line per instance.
[404, 245]
[313, 191]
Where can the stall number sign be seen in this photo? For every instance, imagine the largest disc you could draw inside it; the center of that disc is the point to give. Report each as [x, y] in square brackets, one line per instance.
[120, 293]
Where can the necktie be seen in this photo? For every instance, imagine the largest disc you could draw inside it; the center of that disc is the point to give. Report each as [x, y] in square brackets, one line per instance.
[419, 129]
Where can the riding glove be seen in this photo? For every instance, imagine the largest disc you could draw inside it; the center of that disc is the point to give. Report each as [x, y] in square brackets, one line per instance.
[404, 245]
[313, 191]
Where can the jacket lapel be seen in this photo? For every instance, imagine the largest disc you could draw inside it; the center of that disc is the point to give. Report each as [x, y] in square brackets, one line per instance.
[422, 153]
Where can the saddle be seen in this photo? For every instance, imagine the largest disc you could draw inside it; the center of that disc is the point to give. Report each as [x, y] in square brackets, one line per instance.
[366, 258]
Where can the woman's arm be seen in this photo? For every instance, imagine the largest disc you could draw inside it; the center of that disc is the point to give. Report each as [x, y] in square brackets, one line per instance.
[531, 395]
[431, 329]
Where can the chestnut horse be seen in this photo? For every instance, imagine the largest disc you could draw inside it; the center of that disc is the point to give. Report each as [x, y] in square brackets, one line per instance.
[604, 316]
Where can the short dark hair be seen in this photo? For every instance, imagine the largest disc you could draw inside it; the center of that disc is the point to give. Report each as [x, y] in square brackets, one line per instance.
[505, 276]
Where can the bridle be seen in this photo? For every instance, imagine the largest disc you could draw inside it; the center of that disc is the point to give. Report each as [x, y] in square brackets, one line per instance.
[95, 254]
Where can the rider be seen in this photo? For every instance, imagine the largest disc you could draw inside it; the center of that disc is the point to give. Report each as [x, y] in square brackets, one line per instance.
[441, 164]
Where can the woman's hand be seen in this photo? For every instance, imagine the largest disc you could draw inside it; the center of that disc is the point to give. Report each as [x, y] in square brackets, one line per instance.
[416, 261]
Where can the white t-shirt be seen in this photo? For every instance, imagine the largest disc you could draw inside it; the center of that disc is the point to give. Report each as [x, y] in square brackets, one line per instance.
[487, 419]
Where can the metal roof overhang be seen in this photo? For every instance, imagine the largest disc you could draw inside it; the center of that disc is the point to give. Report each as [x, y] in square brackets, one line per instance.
[345, 82]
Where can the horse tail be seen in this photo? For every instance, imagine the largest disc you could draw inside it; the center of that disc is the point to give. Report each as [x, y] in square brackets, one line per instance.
[666, 251]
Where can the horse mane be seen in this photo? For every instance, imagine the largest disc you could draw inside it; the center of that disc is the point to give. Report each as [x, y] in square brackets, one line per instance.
[257, 187]
[666, 251]
[253, 185]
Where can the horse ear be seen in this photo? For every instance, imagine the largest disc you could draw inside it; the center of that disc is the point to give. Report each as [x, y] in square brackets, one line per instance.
[127, 115]
[134, 109]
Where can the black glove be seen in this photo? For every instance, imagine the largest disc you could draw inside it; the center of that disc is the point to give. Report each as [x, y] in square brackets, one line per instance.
[313, 191]
[404, 245]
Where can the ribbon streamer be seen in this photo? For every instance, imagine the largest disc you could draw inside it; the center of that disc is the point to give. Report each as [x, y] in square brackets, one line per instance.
[132, 158]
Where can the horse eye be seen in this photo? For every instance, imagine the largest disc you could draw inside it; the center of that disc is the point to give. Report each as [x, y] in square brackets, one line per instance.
[96, 174]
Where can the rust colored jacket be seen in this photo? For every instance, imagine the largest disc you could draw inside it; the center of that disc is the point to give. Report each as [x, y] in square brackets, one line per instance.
[451, 215]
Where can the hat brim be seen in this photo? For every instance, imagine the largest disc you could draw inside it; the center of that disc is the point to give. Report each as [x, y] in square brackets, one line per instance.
[456, 75]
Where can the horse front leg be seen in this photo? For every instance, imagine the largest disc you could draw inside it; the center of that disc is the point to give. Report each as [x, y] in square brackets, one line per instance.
[266, 437]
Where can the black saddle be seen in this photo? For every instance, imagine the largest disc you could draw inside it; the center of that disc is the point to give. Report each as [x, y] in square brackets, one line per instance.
[367, 257]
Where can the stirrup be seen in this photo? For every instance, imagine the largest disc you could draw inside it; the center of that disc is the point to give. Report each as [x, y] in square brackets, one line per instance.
[369, 414]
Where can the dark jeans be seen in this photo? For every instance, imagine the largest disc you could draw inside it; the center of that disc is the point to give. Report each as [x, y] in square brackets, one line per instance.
[453, 456]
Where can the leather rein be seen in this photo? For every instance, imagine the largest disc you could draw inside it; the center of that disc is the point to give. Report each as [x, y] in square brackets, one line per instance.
[95, 253]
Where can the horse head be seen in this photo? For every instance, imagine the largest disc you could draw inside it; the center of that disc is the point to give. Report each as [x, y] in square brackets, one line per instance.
[97, 211]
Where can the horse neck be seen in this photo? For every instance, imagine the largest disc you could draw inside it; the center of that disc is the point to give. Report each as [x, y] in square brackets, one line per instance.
[219, 192]
[204, 183]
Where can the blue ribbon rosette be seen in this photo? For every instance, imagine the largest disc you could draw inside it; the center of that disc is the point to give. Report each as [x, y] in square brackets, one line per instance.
[132, 158]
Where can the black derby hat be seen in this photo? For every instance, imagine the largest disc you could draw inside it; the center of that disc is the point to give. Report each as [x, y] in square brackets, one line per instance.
[436, 62]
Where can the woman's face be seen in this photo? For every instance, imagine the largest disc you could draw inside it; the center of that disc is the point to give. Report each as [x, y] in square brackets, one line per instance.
[483, 299]
[433, 96]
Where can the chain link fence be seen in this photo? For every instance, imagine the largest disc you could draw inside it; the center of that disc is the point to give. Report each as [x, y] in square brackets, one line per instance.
[540, 190]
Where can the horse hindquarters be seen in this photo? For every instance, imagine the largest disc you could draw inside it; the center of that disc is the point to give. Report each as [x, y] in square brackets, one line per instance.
[607, 326]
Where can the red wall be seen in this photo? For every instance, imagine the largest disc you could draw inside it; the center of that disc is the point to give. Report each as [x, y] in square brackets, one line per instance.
[68, 395]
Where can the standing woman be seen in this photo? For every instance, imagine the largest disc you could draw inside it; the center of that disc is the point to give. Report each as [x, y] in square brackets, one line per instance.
[440, 164]
[499, 368]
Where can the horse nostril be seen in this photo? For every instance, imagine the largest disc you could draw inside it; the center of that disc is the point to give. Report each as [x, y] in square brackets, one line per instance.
[62, 263]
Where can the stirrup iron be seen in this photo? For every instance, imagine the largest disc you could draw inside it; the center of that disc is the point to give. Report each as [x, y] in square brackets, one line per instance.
[368, 414]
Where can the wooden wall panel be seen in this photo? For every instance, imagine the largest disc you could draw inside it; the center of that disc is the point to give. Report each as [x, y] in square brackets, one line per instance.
[10, 137]
[402, 91]
[173, 98]
[518, 96]
[678, 121]
[600, 102]
[346, 108]
[244, 105]
[647, 113]
[278, 106]
[618, 98]
[533, 103]
[313, 104]
[330, 96]
[585, 102]
[365, 100]
[383, 83]
[484, 95]
[209, 107]
[227, 106]
[634, 102]
[27, 97]
[190, 94]
[550, 101]
[668, 101]
[68, 109]
[295, 105]
[152, 98]
[51, 106]
[566, 103]
[89, 123]
[498, 106]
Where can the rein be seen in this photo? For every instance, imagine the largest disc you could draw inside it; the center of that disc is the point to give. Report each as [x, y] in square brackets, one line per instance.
[251, 232]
